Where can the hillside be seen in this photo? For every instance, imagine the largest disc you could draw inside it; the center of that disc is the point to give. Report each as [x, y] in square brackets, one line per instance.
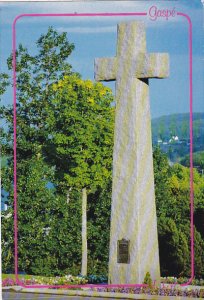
[177, 124]
[171, 133]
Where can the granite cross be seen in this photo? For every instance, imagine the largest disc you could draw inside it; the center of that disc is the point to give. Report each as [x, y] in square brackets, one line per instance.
[133, 239]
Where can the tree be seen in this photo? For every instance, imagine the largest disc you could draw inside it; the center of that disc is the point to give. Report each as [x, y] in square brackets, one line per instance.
[4, 82]
[47, 228]
[161, 130]
[185, 129]
[162, 173]
[34, 76]
[81, 139]
[172, 126]
[198, 160]
[197, 129]
[99, 215]
[68, 128]
[172, 189]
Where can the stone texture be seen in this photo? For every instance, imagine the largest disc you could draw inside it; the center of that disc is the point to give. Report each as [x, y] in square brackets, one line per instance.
[133, 213]
[153, 65]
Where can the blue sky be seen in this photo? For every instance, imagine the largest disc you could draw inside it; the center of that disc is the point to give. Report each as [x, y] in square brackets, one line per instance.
[96, 37]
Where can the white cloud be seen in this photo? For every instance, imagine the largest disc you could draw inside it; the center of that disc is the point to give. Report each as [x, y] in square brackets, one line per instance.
[88, 29]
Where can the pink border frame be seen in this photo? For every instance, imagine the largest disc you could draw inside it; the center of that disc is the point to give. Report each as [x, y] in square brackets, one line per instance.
[15, 146]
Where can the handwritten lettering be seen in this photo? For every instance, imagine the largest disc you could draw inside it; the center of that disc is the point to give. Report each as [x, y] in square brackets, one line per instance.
[156, 13]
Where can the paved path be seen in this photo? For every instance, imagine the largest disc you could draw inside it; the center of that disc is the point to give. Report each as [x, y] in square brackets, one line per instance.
[30, 296]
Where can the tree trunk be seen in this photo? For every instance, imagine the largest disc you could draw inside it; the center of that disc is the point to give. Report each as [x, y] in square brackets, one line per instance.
[68, 195]
[84, 233]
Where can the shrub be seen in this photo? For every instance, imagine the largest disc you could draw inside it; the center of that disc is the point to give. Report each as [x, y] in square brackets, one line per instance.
[148, 279]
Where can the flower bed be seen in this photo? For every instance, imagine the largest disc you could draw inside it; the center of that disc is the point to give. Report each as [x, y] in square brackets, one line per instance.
[182, 280]
[164, 290]
[167, 291]
[8, 282]
[35, 280]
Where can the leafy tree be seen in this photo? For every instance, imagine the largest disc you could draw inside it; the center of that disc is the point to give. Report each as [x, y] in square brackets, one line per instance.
[99, 212]
[161, 130]
[172, 126]
[197, 128]
[198, 160]
[180, 190]
[172, 189]
[181, 187]
[4, 82]
[67, 124]
[34, 76]
[81, 140]
[47, 233]
[162, 173]
[185, 129]
[174, 250]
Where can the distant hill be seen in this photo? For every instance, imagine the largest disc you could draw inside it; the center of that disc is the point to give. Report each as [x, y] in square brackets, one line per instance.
[177, 124]
[171, 133]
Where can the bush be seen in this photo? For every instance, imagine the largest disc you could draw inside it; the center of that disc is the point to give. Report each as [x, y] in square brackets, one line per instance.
[148, 279]
[94, 279]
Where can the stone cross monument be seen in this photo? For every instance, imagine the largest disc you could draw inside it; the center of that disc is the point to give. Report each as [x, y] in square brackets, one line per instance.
[133, 240]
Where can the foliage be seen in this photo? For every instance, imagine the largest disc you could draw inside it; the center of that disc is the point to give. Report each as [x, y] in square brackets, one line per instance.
[182, 280]
[94, 279]
[4, 83]
[148, 279]
[38, 205]
[80, 140]
[165, 127]
[64, 141]
[64, 144]
[42, 224]
[177, 124]
[162, 173]
[172, 189]
[99, 211]
[198, 160]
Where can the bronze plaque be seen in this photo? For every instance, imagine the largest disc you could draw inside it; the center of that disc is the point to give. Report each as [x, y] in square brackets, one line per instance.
[123, 251]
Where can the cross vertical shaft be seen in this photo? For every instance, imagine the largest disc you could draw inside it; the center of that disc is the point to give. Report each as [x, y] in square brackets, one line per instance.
[133, 211]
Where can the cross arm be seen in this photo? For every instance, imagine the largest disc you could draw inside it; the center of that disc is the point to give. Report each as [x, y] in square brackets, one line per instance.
[105, 69]
[153, 65]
